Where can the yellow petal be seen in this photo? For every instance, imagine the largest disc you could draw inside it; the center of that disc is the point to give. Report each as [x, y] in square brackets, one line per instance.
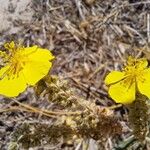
[122, 93]
[38, 54]
[12, 86]
[36, 70]
[143, 83]
[38, 64]
[113, 77]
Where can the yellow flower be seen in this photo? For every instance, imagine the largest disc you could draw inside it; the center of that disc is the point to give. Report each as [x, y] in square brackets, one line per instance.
[23, 66]
[134, 78]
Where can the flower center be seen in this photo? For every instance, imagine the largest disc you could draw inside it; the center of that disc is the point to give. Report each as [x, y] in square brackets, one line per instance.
[134, 73]
[16, 60]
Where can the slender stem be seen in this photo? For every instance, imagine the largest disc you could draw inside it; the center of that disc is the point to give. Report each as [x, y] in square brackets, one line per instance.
[25, 109]
[46, 111]
[115, 106]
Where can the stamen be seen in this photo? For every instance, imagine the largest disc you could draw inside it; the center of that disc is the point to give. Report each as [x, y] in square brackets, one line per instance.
[15, 60]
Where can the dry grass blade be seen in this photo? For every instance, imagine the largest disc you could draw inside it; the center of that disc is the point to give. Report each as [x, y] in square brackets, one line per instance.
[43, 111]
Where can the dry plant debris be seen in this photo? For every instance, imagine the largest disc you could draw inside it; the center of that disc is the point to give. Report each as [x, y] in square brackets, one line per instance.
[89, 39]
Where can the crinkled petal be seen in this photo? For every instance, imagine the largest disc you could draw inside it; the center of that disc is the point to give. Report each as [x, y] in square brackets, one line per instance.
[143, 83]
[38, 54]
[113, 77]
[122, 93]
[12, 86]
[38, 64]
[34, 71]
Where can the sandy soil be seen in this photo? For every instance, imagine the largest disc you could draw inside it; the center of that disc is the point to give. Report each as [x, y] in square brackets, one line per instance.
[13, 12]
